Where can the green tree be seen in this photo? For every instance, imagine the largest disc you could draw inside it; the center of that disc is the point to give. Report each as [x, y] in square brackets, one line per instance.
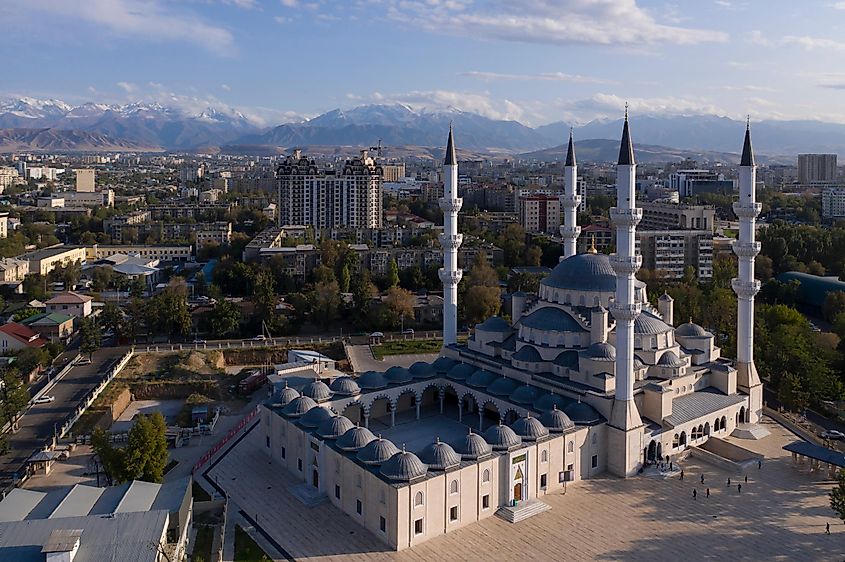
[264, 296]
[325, 302]
[512, 242]
[30, 358]
[345, 279]
[225, 319]
[15, 395]
[834, 304]
[35, 286]
[111, 459]
[399, 305]
[363, 292]
[112, 318]
[146, 449]
[837, 496]
[481, 303]
[89, 335]
[393, 274]
[791, 394]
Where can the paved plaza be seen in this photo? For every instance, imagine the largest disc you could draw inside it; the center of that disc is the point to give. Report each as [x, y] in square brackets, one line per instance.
[780, 515]
[361, 358]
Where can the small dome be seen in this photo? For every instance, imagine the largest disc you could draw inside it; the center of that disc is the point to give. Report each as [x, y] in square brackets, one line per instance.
[403, 466]
[551, 319]
[285, 395]
[372, 380]
[318, 390]
[422, 370]
[299, 406]
[665, 298]
[525, 394]
[461, 372]
[670, 359]
[638, 363]
[690, 330]
[601, 351]
[334, 427]
[502, 386]
[501, 437]
[582, 413]
[345, 386]
[440, 456]
[528, 354]
[355, 438]
[398, 375]
[377, 451]
[315, 417]
[481, 378]
[568, 358]
[443, 364]
[648, 323]
[473, 447]
[557, 421]
[551, 400]
[494, 324]
[529, 428]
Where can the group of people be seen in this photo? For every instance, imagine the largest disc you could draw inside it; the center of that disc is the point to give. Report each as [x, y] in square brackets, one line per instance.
[707, 491]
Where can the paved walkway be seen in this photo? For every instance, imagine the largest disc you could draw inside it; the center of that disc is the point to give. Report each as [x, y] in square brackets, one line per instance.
[361, 358]
[780, 515]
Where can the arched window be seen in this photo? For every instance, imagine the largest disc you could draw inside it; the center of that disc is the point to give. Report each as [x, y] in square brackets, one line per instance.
[358, 481]
[544, 456]
[675, 441]
[595, 438]
[453, 487]
[571, 447]
[485, 476]
[418, 499]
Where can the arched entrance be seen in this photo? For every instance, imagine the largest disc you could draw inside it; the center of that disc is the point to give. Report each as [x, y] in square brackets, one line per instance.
[488, 415]
[707, 429]
[741, 416]
[354, 412]
[510, 417]
[315, 478]
[651, 452]
[406, 407]
[683, 441]
[517, 491]
[380, 414]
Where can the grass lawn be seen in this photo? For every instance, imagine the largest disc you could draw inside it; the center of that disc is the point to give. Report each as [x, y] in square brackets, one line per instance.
[245, 548]
[404, 347]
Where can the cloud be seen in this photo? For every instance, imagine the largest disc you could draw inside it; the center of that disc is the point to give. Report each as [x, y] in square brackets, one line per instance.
[560, 22]
[245, 4]
[446, 100]
[838, 6]
[225, 87]
[545, 76]
[127, 87]
[612, 106]
[806, 42]
[747, 88]
[153, 20]
[282, 19]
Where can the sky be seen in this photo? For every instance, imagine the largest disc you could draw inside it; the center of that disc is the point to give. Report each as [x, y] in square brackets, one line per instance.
[529, 60]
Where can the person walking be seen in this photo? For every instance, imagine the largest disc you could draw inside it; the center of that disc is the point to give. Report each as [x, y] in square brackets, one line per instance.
[707, 493]
[827, 528]
[746, 479]
[729, 480]
[702, 479]
[739, 488]
[682, 474]
[694, 493]
[759, 464]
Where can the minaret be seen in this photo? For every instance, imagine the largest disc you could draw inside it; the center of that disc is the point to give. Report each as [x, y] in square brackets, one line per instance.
[570, 230]
[450, 203]
[745, 285]
[624, 431]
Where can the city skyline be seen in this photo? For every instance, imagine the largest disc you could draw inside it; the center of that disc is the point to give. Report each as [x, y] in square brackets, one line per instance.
[569, 60]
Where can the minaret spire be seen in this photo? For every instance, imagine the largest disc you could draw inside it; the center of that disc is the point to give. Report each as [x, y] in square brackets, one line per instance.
[625, 424]
[570, 199]
[450, 275]
[745, 285]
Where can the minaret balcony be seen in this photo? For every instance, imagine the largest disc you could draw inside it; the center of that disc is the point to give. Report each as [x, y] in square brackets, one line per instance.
[747, 210]
[450, 277]
[746, 249]
[450, 205]
[570, 231]
[625, 312]
[626, 265]
[451, 241]
[626, 217]
[570, 201]
[745, 289]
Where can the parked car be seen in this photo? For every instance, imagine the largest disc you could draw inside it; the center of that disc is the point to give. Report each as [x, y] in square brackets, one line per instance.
[259, 337]
[46, 399]
[408, 331]
[83, 361]
[833, 434]
[200, 341]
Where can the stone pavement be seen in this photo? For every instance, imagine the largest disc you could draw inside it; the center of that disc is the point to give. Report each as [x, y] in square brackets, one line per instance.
[780, 515]
[361, 358]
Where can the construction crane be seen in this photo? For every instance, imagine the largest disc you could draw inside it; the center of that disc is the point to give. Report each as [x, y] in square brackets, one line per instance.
[378, 148]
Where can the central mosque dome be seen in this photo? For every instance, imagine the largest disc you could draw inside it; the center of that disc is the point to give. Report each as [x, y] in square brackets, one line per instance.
[583, 272]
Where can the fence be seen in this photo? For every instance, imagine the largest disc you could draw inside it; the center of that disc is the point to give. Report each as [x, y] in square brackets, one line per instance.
[222, 443]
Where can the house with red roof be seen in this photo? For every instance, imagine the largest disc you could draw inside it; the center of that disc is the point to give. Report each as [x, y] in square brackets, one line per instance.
[15, 337]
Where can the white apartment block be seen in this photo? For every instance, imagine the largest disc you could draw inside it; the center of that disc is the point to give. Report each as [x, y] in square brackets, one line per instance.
[833, 202]
[672, 251]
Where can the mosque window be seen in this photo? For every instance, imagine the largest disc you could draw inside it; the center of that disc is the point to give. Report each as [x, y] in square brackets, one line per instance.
[299, 464]
[337, 491]
[543, 481]
[453, 487]
[485, 501]
[283, 452]
[571, 447]
[544, 456]
[359, 507]
[595, 461]
[418, 527]
[485, 477]
[418, 499]
[358, 481]
[382, 524]
[268, 441]
[453, 513]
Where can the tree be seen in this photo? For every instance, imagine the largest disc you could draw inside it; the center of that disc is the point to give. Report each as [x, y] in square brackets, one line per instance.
[35, 286]
[790, 393]
[393, 274]
[15, 395]
[533, 255]
[264, 296]
[89, 334]
[837, 496]
[110, 458]
[102, 278]
[345, 279]
[481, 273]
[325, 302]
[399, 304]
[363, 292]
[146, 449]
[30, 358]
[834, 304]
[112, 318]
[224, 318]
[481, 302]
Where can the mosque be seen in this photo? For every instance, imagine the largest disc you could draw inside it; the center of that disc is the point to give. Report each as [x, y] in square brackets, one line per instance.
[587, 377]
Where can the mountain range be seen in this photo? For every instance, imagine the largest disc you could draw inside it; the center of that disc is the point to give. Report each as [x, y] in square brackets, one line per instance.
[214, 129]
[61, 140]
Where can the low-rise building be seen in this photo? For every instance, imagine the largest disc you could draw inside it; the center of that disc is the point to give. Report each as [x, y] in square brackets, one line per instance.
[47, 259]
[52, 326]
[13, 270]
[15, 337]
[71, 303]
[669, 216]
[164, 253]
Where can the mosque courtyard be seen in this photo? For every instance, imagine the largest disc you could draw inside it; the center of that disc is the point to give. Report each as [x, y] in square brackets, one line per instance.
[779, 515]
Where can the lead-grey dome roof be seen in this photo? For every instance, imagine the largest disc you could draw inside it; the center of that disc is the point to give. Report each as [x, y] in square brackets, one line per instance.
[403, 466]
[551, 400]
[551, 319]
[299, 406]
[461, 372]
[398, 375]
[670, 359]
[567, 358]
[345, 386]
[318, 390]
[355, 438]
[525, 394]
[556, 420]
[648, 323]
[582, 413]
[334, 427]
[440, 456]
[372, 380]
[422, 370]
[494, 324]
[583, 272]
[690, 330]
[527, 353]
[502, 386]
[530, 429]
[501, 437]
[286, 395]
[377, 451]
[443, 364]
[601, 351]
[315, 417]
[481, 378]
[473, 447]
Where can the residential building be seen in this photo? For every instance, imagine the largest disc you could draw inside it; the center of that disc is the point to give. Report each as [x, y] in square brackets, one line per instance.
[14, 337]
[163, 253]
[85, 180]
[45, 260]
[833, 202]
[595, 236]
[672, 251]
[693, 182]
[325, 198]
[13, 270]
[817, 168]
[71, 303]
[670, 216]
[539, 213]
[393, 172]
[53, 326]
[103, 198]
[8, 177]
[4, 225]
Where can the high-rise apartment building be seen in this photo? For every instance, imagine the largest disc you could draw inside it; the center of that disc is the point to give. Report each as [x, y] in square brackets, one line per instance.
[813, 168]
[671, 216]
[319, 197]
[85, 180]
[833, 202]
[393, 172]
[539, 213]
[692, 182]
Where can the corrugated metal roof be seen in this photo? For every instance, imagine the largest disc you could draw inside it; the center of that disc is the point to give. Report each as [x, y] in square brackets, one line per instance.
[139, 497]
[18, 503]
[78, 502]
[699, 404]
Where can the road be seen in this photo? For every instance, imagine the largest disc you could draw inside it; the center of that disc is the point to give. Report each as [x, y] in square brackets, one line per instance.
[37, 425]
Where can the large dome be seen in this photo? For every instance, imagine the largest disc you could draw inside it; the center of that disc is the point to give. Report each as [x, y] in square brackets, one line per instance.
[551, 319]
[691, 330]
[583, 272]
[648, 323]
